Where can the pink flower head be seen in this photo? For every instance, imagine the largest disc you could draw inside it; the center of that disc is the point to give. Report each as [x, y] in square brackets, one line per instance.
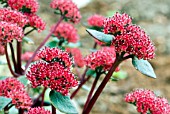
[14, 89]
[13, 16]
[55, 55]
[52, 75]
[134, 41]
[77, 55]
[104, 57]
[2, 50]
[66, 31]
[96, 20]
[9, 31]
[27, 6]
[68, 9]
[27, 55]
[38, 110]
[146, 100]
[117, 23]
[36, 21]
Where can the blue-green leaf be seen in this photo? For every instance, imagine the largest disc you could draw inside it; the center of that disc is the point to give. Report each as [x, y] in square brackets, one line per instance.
[4, 102]
[62, 103]
[23, 80]
[105, 38]
[144, 67]
[28, 40]
[91, 72]
[3, 77]
[72, 45]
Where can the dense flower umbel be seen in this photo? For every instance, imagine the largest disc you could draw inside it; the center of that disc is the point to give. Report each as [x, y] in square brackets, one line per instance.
[27, 6]
[12, 88]
[66, 31]
[55, 55]
[96, 20]
[36, 21]
[117, 23]
[52, 75]
[38, 110]
[9, 31]
[129, 38]
[68, 9]
[104, 57]
[77, 55]
[13, 16]
[147, 101]
[27, 55]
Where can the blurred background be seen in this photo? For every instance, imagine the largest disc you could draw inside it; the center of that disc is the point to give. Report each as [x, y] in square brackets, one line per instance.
[153, 16]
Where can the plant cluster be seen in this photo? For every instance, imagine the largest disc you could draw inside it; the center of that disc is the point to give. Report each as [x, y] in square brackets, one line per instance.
[54, 66]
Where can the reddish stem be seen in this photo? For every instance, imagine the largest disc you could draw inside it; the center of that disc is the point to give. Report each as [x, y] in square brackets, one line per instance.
[42, 97]
[81, 84]
[53, 109]
[19, 51]
[9, 64]
[42, 44]
[84, 74]
[92, 90]
[13, 57]
[102, 85]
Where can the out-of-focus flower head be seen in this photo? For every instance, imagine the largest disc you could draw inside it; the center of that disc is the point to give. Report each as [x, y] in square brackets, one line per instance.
[26, 6]
[13, 16]
[27, 55]
[36, 22]
[2, 50]
[129, 38]
[14, 89]
[77, 55]
[9, 31]
[104, 57]
[68, 9]
[38, 110]
[55, 55]
[96, 20]
[52, 75]
[66, 31]
[147, 101]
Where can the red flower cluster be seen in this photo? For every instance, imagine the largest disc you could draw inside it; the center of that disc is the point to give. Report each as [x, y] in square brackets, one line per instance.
[13, 16]
[2, 50]
[9, 31]
[31, 5]
[38, 110]
[104, 57]
[27, 55]
[68, 9]
[129, 38]
[147, 101]
[36, 22]
[54, 73]
[117, 23]
[78, 58]
[66, 31]
[55, 55]
[12, 88]
[96, 20]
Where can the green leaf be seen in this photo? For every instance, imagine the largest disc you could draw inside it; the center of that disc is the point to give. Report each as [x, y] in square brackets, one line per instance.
[120, 75]
[53, 43]
[4, 102]
[28, 40]
[91, 72]
[3, 77]
[62, 103]
[72, 45]
[144, 67]
[23, 80]
[106, 38]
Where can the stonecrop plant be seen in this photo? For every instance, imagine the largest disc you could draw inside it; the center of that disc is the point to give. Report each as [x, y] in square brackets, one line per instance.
[50, 76]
